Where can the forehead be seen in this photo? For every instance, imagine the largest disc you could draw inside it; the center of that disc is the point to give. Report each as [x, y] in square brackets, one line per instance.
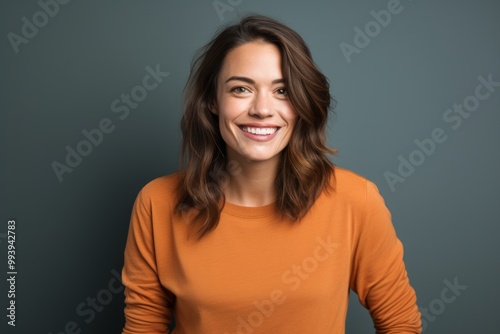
[253, 58]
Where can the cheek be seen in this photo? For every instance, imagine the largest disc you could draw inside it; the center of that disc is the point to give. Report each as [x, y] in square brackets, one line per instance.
[228, 112]
[290, 116]
[231, 109]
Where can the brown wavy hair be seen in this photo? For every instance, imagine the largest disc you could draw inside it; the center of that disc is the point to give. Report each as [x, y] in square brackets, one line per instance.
[304, 169]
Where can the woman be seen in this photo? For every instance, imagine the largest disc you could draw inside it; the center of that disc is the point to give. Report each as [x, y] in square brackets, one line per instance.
[259, 232]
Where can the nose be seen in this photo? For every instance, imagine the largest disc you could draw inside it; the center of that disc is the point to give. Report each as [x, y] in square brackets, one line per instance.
[262, 105]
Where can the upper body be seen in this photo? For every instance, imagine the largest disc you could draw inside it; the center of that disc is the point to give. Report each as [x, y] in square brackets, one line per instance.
[260, 233]
[259, 272]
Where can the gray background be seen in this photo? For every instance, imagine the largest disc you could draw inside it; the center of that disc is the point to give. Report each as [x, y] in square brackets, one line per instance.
[71, 234]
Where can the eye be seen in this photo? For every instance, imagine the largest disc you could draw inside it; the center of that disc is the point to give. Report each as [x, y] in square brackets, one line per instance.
[239, 90]
[282, 91]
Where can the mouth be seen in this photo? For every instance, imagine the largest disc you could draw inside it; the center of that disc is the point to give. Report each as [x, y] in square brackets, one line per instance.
[261, 133]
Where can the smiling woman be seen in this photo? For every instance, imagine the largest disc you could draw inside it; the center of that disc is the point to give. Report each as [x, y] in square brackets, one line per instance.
[256, 118]
[257, 74]
[259, 232]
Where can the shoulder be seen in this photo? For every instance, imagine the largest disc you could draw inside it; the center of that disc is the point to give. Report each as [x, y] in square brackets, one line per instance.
[345, 177]
[353, 188]
[349, 183]
[163, 189]
[357, 192]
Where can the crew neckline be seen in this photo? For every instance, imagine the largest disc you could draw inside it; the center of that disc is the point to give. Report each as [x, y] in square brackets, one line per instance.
[250, 211]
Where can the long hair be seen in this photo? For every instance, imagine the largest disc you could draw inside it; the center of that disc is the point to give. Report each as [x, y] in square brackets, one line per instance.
[304, 170]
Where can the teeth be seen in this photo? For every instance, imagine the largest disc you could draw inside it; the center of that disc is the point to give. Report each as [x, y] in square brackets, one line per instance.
[259, 131]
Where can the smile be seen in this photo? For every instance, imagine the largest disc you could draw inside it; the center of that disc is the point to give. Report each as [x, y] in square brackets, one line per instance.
[262, 133]
[259, 131]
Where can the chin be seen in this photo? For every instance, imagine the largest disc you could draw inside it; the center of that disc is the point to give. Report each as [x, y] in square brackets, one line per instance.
[261, 156]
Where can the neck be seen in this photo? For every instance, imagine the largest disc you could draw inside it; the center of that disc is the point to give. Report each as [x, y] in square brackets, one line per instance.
[251, 183]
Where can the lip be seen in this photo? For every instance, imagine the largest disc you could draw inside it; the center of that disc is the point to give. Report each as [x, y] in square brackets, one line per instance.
[260, 138]
[259, 125]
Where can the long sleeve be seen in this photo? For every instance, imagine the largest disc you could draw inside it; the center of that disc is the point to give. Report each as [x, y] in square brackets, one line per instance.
[378, 273]
[258, 272]
[148, 305]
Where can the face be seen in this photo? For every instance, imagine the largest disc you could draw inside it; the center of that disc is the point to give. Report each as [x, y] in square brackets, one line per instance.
[256, 117]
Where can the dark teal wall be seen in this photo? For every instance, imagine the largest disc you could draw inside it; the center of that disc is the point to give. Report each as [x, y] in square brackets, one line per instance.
[84, 128]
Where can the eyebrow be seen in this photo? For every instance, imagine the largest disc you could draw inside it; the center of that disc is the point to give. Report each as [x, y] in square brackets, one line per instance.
[250, 81]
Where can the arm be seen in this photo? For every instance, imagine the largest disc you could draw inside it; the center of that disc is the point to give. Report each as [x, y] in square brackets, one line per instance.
[378, 273]
[148, 305]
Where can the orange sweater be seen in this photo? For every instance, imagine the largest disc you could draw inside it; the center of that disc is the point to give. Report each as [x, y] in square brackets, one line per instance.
[258, 274]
